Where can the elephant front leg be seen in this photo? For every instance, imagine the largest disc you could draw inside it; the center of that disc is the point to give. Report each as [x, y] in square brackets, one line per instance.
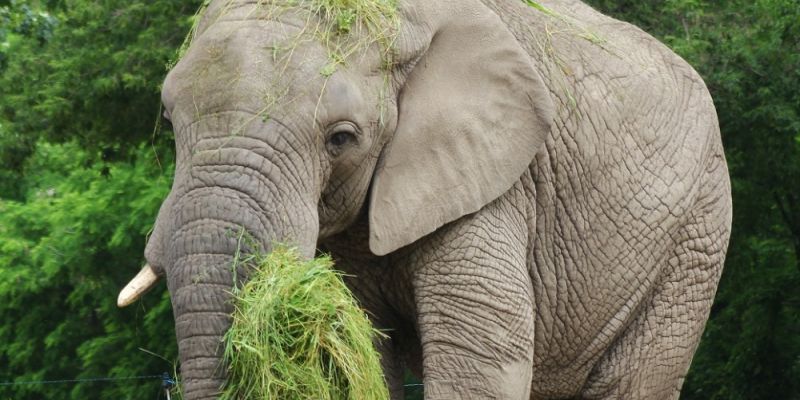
[475, 310]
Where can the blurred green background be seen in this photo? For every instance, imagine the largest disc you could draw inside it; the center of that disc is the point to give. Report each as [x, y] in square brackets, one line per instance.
[84, 170]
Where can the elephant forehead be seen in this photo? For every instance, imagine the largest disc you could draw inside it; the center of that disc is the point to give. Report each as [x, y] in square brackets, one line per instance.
[250, 65]
[285, 11]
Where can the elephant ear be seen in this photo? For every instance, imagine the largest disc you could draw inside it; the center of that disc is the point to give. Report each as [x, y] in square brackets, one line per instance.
[472, 114]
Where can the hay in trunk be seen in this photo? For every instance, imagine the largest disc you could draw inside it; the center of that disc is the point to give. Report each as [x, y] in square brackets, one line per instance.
[297, 333]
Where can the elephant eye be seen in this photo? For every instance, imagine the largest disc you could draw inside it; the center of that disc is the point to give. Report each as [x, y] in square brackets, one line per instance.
[340, 136]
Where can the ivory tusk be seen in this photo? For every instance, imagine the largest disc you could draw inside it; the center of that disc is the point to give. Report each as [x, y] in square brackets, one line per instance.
[142, 282]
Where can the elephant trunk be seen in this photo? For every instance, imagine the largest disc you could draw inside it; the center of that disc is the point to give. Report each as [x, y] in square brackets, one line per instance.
[212, 229]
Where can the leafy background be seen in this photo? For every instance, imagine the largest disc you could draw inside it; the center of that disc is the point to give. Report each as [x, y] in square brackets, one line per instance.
[84, 171]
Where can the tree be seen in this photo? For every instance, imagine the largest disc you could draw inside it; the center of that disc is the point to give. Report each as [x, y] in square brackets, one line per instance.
[83, 176]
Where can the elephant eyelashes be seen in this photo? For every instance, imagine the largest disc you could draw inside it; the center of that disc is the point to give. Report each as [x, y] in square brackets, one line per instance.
[340, 136]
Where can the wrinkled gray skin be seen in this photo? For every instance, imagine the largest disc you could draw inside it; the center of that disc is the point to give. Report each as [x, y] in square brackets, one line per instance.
[538, 215]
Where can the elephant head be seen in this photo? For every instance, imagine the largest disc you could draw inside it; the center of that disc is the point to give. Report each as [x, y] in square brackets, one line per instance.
[282, 141]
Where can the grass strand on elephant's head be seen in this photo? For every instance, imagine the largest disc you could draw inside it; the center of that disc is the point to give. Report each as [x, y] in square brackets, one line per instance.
[345, 27]
[297, 332]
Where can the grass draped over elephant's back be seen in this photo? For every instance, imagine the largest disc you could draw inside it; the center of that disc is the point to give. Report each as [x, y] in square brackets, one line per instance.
[297, 333]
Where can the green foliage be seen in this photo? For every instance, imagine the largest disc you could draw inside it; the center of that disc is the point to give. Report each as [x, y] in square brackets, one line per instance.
[20, 26]
[95, 80]
[82, 179]
[297, 333]
[19, 18]
[65, 250]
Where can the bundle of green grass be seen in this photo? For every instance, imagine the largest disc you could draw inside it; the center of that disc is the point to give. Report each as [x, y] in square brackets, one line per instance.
[297, 333]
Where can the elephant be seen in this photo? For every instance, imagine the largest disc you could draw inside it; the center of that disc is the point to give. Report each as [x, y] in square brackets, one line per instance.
[530, 199]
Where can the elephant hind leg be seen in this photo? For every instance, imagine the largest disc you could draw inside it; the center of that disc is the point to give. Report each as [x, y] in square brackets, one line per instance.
[652, 356]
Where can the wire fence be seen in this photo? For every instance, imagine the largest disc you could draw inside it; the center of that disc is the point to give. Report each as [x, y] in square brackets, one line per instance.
[166, 380]
[83, 380]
